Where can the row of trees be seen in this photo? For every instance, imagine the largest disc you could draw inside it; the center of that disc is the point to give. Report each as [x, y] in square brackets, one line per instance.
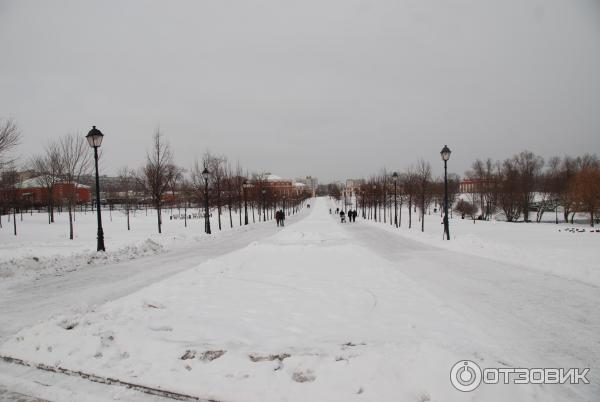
[228, 188]
[515, 188]
[382, 196]
[525, 183]
[158, 183]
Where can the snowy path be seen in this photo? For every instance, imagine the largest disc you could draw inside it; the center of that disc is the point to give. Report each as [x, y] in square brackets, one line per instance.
[532, 318]
[324, 312]
[24, 303]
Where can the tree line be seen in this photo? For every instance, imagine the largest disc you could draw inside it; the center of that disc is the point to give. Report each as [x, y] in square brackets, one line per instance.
[521, 188]
[158, 183]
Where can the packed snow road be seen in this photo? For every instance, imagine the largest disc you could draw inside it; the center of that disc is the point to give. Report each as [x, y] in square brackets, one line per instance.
[324, 311]
[24, 303]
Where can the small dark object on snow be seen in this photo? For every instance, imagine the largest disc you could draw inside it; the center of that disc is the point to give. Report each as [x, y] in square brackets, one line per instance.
[189, 354]
[304, 376]
[211, 355]
[261, 358]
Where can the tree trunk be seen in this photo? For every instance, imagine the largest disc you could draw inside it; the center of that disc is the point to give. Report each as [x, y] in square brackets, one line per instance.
[410, 212]
[158, 217]
[423, 215]
[70, 206]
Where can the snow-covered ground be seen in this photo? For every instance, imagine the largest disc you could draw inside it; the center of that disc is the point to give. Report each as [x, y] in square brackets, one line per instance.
[545, 246]
[322, 311]
[45, 249]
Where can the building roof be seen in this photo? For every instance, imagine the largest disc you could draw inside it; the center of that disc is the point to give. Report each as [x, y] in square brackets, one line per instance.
[38, 182]
[272, 177]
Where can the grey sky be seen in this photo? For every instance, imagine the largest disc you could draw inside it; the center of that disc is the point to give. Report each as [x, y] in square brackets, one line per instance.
[332, 88]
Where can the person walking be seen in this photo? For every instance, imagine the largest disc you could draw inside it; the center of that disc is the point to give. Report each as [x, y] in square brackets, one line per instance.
[277, 217]
[282, 218]
[342, 216]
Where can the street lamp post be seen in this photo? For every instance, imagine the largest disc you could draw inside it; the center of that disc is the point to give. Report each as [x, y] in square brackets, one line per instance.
[395, 178]
[245, 186]
[264, 205]
[94, 138]
[445, 153]
[205, 175]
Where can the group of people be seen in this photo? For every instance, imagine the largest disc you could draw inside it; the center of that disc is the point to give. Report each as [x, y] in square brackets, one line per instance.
[280, 217]
[351, 215]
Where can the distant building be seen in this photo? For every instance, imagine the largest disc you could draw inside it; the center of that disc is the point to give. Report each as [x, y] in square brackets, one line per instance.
[469, 185]
[34, 192]
[353, 186]
[310, 183]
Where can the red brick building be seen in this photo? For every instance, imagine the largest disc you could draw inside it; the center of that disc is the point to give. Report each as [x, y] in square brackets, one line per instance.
[34, 192]
[469, 185]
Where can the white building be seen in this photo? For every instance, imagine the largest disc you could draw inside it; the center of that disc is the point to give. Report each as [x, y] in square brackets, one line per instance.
[310, 182]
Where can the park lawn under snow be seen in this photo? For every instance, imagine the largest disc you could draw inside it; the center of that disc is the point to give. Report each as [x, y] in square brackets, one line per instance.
[308, 314]
[41, 248]
[545, 246]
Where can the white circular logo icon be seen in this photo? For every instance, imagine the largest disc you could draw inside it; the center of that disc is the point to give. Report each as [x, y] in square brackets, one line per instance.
[465, 375]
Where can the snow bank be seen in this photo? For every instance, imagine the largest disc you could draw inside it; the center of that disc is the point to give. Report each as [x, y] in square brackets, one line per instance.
[43, 249]
[27, 268]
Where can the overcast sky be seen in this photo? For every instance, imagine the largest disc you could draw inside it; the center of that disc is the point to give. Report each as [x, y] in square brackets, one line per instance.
[331, 88]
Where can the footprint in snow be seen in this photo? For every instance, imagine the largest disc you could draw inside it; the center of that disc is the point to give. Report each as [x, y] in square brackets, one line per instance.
[304, 376]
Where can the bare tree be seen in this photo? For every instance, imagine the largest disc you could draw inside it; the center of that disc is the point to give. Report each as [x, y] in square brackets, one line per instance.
[529, 167]
[8, 193]
[467, 208]
[155, 173]
[217, 167]
[423, 181]
[174, 178]
[76, 161]
[585, 190]
[410, 186]
[49, 168]
[126, 184]
[510, 193]
[10, 137]
[187, 194]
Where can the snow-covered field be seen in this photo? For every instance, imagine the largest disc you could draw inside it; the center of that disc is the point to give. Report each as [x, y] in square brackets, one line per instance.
[321, 311]
[545, 246]
[45, 249]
